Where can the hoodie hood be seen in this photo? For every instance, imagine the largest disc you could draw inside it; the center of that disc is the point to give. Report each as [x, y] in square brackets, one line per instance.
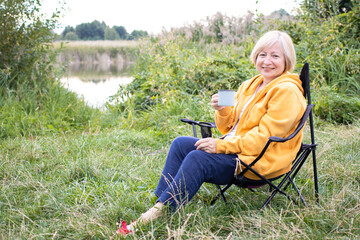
[285, 77]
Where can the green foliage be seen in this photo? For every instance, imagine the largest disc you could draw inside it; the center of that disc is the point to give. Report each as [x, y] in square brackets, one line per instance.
[121, 31]
[32, 102]
[26, 36]
[327, 36]
[137, 34]
[335, 107]
[111, 34]
[176, 66]
[327, 8]
[91, 31]
[71, 36]
[67, 30]
[53, 111]
[100, 31]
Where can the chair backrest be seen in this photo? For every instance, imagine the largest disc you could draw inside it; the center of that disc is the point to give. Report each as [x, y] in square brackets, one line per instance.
[305, 79]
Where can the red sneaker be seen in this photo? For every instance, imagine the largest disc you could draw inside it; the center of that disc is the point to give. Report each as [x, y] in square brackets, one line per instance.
[123, 230]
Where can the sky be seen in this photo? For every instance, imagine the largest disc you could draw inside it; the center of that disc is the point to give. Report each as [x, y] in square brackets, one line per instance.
[155, 15]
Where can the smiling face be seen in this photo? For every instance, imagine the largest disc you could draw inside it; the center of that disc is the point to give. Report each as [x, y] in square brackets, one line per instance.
[271, 62]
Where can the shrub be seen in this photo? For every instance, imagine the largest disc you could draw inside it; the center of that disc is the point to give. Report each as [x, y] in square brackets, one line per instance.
[334, 107]
[177, 65]
[25, 46]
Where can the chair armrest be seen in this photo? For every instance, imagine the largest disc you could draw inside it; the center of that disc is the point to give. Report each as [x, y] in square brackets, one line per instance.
[205, 127]
[201, 124]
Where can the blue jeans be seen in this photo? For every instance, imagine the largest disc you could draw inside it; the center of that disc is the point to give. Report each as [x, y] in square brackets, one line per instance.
[186, 169]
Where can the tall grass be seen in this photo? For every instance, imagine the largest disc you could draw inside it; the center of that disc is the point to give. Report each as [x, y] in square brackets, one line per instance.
[77, 186]
[52, 111]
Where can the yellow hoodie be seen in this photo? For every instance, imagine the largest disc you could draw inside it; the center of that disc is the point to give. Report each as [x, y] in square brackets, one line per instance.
[275, 111]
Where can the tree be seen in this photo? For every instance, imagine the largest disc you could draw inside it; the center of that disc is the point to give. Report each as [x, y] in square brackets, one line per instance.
[100, 31]
[66, 30]
[91, 31]
[71, 36]
[111, 34]
[280, 13]
[137, 34]
[123, 34]
[25, 46]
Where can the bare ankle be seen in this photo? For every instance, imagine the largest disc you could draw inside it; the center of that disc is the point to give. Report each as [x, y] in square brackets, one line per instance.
[152, 214]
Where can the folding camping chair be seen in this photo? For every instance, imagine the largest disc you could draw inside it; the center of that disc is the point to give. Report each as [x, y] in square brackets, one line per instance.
[286, 179]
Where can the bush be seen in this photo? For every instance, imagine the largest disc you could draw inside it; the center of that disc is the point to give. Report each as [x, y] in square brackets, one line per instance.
[165, 68]
[334, 107]
[25, 46]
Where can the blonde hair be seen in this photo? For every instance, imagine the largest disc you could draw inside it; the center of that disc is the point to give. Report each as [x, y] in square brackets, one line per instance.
[287, 47]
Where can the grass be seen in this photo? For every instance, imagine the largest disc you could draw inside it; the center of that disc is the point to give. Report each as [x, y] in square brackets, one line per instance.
[44, 112]
[77, 186]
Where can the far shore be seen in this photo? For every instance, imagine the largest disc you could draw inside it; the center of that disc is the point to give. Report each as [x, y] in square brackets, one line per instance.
[102, 43]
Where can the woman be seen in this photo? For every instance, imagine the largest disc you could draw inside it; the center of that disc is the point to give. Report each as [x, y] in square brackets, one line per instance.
[270, 104]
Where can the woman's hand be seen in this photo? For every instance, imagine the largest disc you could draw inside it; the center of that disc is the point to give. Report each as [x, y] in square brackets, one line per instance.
[207, 145]
[215, 102]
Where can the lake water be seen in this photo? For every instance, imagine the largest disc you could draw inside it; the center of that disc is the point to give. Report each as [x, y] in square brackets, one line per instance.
[96, 83]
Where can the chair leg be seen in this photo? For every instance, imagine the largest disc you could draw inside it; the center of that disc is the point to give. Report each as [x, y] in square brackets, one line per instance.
[278, 189]
[315, 177]
[221, 193]
[296, 188]
[214, 199]
[273, 195]
[267, 201]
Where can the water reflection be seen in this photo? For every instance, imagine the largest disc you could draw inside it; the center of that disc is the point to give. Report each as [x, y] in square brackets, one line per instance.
[95, 83]
[95, 93]
[102, 69]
